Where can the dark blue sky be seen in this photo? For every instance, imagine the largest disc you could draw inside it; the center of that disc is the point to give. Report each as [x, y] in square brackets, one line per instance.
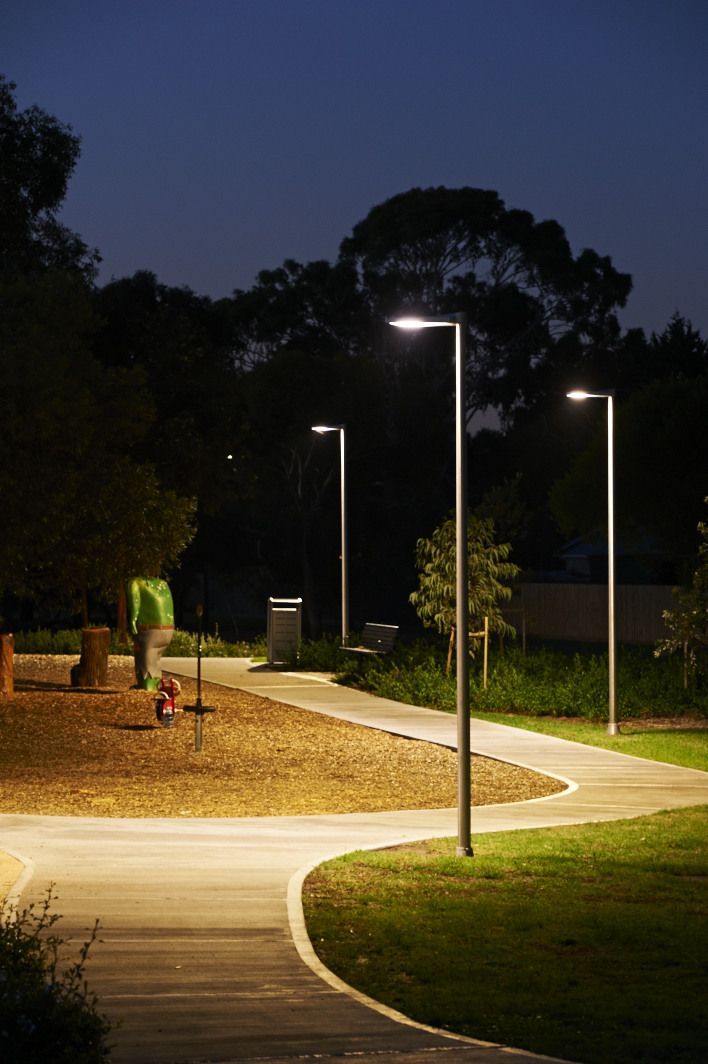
[220, 137]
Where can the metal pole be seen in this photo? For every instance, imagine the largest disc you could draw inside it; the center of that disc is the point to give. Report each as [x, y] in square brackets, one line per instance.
[200, 613]
[580, 393]
[345, 560]
[464, 783]
[613, 726]
[464, 795]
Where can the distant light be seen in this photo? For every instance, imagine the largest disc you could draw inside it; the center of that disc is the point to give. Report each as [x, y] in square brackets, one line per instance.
[577, 394]
[326, 428]
[229, 458]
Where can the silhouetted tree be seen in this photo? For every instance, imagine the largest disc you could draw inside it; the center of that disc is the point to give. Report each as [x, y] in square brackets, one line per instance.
[531, 304]
[38, 154]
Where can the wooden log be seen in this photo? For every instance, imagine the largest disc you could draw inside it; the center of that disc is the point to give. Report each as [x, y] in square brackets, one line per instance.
[7, 650]
[92, 669]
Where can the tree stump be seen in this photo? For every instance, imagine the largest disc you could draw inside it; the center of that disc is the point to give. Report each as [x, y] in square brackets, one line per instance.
[92, 669]
[7, 649]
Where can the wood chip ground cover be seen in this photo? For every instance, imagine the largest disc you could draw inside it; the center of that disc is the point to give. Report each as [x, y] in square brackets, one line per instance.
[71, 752]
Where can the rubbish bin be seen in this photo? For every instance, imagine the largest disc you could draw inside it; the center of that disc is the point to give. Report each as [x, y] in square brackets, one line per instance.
[284, 628]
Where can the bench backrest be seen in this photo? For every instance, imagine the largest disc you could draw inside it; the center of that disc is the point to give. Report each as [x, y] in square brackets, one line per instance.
[379, 636]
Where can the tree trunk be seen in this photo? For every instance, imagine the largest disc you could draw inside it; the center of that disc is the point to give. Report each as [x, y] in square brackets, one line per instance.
[450, 645]
[122, 618]
[7, 649]
[92, 669]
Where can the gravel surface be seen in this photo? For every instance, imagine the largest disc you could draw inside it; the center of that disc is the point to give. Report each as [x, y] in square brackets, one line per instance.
[69, 751]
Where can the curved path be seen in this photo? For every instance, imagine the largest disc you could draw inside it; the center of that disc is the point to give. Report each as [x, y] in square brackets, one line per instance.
[202, 943]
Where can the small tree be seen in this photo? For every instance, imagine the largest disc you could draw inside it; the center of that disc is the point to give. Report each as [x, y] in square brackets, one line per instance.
[688, 621]
[435, 599]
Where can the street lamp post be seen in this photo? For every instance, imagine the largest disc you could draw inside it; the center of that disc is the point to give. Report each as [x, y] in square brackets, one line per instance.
[343, 519]
[458, 322]
[579, 394]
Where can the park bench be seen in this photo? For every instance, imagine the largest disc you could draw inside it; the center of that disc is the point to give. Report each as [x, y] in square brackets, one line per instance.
[375, 639]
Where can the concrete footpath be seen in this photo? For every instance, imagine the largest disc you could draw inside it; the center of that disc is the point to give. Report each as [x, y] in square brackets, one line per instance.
[203, 955]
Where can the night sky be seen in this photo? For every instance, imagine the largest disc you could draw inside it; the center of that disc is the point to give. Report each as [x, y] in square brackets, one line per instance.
[220, 137]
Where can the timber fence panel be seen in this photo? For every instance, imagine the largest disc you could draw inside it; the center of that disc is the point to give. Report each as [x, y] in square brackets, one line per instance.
[578, 612]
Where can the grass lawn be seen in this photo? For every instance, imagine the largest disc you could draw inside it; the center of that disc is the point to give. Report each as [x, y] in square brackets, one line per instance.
[676, 743]
[587, 942]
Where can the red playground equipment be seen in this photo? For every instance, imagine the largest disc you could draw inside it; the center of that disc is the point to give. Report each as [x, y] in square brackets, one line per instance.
[165, 701]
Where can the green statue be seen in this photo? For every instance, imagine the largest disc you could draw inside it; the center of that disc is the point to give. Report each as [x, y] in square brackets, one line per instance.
[151, 620]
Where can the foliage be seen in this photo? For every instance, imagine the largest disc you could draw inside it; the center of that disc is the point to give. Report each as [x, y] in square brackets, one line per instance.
[532, 306]
[320, 655]
[421, 685]
[180, 344]
[142, 386]
[688, 621]
[542, 683]
[45, 1013]
[660, 460]
[37, 156]
[314, 307]
[290, 512]
[183, 644]
[544, 926]
[679, 352]
[436, 598]
[131, 524]
[81, 505]
[47, 381]
[44, 641]
[536, 312]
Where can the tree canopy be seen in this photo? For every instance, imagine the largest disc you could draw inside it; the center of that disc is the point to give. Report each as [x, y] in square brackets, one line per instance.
[37, 157]
[530, 302]
[81, 503]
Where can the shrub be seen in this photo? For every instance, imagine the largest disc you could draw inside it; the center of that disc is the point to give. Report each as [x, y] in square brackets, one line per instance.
[413, 674]
[320, 655]
[44, 641]
[183, 644]
[542, 682]
[550, 683]
[45, 1014]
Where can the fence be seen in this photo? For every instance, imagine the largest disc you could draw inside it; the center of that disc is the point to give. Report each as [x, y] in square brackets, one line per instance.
[578, 612]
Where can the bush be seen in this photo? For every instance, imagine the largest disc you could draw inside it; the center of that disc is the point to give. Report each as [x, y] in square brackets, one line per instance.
[183, 644]
[319, 655]
[413, 674]
[547, 684]
[45, 1015]
[542, 682]
[43, 641]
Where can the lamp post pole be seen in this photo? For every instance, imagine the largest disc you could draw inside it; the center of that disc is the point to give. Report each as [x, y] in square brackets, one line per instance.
[343, 523]
[458, 322]
[579, 394]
